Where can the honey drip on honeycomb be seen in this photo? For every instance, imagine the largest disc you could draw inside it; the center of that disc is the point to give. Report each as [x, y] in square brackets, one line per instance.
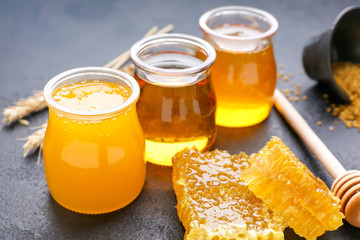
[213, 203]
[288, 188]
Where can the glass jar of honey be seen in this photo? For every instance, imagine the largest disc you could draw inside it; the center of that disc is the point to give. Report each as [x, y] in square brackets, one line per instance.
[177, 102]
[94, 145]
[244, 72]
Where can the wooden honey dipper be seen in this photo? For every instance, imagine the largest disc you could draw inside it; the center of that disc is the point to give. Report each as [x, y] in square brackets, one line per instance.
[346, 185]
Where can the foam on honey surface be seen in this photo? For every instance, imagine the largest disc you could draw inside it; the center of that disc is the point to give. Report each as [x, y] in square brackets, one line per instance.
[212, 201]
[289, 189]
[91, 96]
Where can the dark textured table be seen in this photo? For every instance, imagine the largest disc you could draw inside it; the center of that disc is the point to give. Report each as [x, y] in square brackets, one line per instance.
[39, 39]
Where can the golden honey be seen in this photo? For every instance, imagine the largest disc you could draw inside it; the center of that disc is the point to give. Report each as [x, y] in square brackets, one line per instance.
[214, 203]
[244, 72]
[275, 169]
[223, 196]
[94, 144]
[177, 103]
[244, 83]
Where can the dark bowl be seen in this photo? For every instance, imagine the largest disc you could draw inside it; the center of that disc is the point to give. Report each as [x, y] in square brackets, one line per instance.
[340, 43]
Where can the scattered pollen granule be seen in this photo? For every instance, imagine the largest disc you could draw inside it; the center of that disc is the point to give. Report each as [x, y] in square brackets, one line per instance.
[331, 128]
[304, 97]
[24, 122]
[319, 123]
[347, 76]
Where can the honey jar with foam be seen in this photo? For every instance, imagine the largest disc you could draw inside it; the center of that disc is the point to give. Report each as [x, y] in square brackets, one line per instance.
[94, 145]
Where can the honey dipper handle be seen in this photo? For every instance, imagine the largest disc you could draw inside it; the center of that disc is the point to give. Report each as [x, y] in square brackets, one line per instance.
[300, 126]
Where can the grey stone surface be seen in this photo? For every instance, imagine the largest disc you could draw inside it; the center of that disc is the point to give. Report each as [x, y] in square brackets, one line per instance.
[39, 39]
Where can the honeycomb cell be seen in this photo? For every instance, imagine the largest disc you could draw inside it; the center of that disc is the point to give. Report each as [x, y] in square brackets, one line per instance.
[212, 201]
[289, 189]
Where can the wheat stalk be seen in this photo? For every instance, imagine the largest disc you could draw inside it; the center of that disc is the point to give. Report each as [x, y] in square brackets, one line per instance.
[23, 108]
[36, 139]
[124, 57]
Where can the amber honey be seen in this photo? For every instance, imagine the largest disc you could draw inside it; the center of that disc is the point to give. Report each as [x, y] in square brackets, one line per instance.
[175, 118]
[244, 83]
[244, 72]
[94, 145]
[176, 107]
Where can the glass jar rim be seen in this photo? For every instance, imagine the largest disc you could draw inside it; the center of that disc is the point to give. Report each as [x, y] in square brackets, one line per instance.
[54, 83]
[176, 38]
[267, 34]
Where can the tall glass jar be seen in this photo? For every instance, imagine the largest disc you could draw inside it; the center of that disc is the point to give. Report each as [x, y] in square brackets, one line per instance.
[93, 160]
[244, 73]
[177, 103]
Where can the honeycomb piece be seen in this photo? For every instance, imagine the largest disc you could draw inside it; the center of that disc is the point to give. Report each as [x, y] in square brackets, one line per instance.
[289, 189]
[212, 201]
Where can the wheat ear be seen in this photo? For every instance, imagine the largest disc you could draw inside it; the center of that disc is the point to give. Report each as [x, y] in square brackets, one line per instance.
[23, 108]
